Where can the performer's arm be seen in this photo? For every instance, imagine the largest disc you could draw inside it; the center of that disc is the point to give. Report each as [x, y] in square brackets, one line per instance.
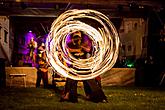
[74, 50]
[86, 46]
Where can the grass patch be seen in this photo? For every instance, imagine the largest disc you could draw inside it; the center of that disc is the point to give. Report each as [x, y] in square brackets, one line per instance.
[120, 98]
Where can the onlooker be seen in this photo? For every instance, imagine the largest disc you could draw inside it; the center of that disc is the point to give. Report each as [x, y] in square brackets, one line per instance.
[42, 67]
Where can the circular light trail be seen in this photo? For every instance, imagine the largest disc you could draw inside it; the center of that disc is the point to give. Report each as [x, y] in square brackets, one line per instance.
[105, 43]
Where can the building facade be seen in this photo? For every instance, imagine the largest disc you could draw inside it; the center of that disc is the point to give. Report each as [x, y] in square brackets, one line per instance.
[4, 38]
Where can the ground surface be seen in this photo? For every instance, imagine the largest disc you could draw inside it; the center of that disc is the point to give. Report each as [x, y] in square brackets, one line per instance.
[120, 98]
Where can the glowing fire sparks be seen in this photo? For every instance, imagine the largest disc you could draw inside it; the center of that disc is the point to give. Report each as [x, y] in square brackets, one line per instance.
[105, 43]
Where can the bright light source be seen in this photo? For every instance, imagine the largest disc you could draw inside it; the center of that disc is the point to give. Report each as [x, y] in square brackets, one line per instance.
[105, 43]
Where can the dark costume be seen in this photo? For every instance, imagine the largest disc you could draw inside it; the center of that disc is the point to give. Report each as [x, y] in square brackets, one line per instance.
[42, 68]
[91, 87]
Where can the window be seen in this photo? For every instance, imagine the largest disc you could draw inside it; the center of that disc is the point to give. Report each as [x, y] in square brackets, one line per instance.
[0, 31]
[5, 36]
[144, 41]
[129, 48]
[123, 47]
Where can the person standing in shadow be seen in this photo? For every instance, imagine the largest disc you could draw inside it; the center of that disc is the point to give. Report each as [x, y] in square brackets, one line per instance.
[42, 67]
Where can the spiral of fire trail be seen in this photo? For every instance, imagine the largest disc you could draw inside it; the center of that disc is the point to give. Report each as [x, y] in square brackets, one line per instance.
[105, 43]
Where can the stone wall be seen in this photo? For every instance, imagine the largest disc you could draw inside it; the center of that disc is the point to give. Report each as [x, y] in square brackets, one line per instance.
[118, 77]
[31, 76]
[113, 77]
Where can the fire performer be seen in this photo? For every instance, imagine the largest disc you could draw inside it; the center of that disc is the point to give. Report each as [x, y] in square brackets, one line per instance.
[32, 52]
[80, 47]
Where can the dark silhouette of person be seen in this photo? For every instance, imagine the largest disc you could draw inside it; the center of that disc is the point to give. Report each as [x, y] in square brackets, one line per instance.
[42, 68]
